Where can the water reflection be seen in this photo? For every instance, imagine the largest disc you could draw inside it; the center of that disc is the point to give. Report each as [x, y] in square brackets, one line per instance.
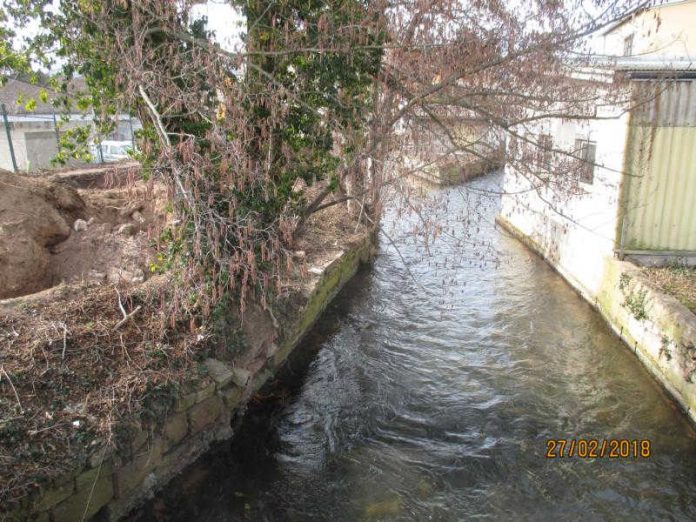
[429, 396]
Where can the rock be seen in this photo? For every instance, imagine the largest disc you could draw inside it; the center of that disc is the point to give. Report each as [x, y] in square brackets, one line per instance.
[386, 508]
[79, 225]
[123, 275]
[232, 396]
[204, 414]
[240, 376]
[219, 372]
[176, 427]
[299, 254]
[138, 217]
[86, 502]
[316, 270]
[127, 229]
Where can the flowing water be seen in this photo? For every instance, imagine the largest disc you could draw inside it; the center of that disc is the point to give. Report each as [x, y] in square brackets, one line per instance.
[428, 393]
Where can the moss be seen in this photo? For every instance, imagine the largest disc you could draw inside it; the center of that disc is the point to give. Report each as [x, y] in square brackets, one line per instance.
[635, 302]
[330, 283]
[665, 348]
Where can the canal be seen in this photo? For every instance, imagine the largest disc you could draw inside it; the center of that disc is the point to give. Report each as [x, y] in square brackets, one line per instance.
[428, 393]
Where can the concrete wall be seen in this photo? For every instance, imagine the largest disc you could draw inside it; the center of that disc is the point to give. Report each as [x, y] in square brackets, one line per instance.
[577, 235]
[575, 231]
[40, 147]
[115, 481]
[34, 142]
[5, 157]
[656, 327]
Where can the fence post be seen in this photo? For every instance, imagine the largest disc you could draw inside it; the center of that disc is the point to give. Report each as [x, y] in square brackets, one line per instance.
[55, 128]
[9, 137]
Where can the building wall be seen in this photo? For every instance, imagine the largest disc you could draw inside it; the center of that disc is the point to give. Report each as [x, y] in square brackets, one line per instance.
[578, 235]
[576, 232]
[40, 147]
[5, 156]
[35, 142]
[667, 31]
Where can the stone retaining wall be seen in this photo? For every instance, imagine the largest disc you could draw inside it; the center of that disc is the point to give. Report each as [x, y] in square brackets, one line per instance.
[113, 483]
[655, 326]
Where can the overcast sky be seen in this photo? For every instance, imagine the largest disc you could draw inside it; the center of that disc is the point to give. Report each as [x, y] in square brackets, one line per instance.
[225, 20]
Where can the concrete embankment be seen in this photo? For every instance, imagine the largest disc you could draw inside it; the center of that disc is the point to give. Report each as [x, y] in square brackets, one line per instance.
[656, 327]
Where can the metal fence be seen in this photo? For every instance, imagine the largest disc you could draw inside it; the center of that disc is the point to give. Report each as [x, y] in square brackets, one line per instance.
[659, 213]
[30, 141]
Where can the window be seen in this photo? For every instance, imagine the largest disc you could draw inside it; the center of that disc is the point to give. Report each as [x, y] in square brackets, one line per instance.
[628, 45]
[586, 150]
[544, 146]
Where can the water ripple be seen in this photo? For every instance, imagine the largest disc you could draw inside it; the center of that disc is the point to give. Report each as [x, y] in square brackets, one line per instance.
[436, 405]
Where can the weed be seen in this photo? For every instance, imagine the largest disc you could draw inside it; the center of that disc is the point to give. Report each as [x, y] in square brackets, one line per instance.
[624, 280]
[635, 302]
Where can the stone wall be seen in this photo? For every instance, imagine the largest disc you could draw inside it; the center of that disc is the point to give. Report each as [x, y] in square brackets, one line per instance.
[114, 482]
[655, 326]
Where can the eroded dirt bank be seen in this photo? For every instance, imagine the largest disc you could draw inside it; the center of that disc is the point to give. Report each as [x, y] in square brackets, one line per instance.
[91, 377]
[52, 233]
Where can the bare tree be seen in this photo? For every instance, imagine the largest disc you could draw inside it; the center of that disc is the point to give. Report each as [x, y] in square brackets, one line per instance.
[336, 91]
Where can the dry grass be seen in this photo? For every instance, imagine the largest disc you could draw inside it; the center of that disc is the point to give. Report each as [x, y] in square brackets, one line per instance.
[73, 373]
[69, 375]
[678, 281]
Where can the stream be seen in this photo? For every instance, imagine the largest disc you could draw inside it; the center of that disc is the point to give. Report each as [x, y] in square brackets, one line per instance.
[429, 389]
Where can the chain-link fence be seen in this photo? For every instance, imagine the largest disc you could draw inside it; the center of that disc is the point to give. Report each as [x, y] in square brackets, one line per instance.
[30, 141]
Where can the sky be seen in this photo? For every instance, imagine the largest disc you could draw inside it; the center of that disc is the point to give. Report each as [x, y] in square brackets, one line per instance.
[224, 20]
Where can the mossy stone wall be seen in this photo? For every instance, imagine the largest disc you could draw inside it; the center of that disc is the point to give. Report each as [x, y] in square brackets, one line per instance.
[113, 483]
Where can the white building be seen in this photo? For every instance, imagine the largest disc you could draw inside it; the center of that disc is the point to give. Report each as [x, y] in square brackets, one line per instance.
[638, 198]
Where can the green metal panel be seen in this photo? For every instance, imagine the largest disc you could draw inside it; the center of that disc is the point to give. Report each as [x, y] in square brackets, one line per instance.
[659, 198]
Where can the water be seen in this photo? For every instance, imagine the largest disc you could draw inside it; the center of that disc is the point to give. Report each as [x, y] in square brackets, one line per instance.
[429, 395]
